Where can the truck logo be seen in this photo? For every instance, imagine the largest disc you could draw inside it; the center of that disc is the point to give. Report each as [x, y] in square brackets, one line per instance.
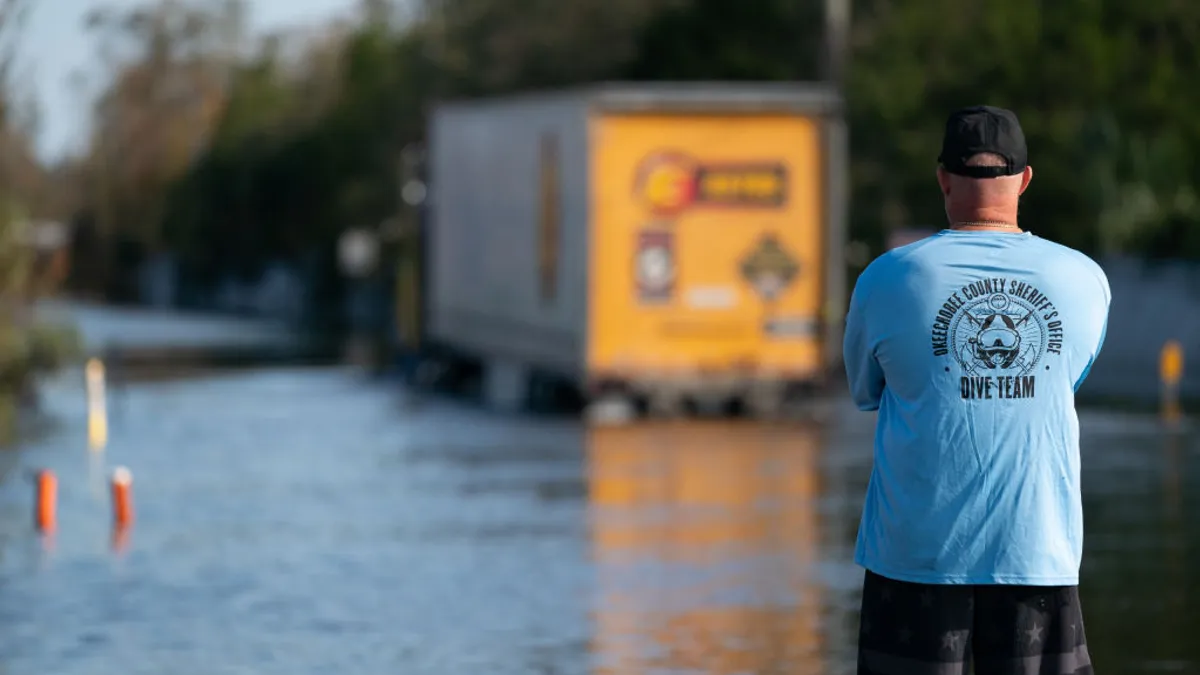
[654, 266]
[670, 182]
[768, 268]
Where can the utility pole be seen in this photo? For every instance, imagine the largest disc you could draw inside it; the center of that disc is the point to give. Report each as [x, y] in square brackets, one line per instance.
[837, 30]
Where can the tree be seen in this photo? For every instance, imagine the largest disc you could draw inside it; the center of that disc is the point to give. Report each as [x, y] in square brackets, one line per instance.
[169, 63]
[716, 40]
[27, 347]
[1081, 74]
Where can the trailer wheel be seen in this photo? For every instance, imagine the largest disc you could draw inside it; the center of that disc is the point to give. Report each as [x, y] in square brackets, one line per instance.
[735, 407]
[765, 403]
[426, 375]
[666, 404]
[610, 410]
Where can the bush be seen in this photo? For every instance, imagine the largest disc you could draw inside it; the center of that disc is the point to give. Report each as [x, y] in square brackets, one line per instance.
[52, 346]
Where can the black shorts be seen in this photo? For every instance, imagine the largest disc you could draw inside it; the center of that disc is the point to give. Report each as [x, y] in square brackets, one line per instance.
[923, 629]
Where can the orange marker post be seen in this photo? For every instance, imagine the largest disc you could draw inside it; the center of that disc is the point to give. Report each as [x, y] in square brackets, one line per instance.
[1170, 371]
[45, 507]
[122, 497]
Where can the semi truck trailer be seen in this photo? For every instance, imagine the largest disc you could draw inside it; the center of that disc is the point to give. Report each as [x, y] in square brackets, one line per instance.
[668, 245]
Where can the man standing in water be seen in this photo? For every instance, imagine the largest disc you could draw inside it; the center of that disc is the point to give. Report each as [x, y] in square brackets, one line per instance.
[971, 344]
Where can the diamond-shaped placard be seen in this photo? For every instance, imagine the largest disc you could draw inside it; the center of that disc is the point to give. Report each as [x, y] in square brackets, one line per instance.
[768, 268]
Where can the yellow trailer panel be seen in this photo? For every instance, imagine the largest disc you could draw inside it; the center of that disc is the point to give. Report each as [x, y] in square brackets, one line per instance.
[706, 245]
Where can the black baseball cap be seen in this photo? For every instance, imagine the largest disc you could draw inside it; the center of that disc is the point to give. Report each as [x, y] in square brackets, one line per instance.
[983, 128]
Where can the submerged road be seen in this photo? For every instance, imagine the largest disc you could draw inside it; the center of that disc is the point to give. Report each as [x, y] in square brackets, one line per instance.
[311, 521]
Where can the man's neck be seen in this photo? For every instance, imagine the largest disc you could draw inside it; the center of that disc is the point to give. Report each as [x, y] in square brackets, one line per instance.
[984, 226]
[986, 220]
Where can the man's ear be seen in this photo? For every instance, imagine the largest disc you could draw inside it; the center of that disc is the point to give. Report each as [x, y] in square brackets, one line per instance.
[1026, 177]
[943, 180]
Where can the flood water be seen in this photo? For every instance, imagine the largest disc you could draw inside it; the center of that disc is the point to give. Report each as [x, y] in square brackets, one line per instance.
[311, 521]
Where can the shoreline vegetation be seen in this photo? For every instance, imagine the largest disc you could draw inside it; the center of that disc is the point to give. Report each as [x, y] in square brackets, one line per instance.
[30, 346]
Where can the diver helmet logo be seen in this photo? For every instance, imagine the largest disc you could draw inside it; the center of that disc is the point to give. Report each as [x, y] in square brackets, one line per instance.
[997, 333]
[997, 344]
[1000, 332]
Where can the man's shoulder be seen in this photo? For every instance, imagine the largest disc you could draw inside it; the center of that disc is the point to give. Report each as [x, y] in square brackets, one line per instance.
[884, 273]
[1064, 253]
[1076, 262]
[900, 258]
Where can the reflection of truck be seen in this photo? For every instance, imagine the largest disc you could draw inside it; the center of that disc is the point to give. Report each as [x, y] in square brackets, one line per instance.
[672, 244]
[737, 500]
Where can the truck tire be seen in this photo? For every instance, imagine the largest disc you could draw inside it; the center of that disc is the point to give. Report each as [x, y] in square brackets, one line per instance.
[612, 409]
[666, 404]
[505, 386]
[765, 403]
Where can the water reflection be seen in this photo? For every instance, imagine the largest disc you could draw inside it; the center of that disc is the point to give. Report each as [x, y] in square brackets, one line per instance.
[705, 538]
[1173, 499]
[95, 475]
[12, 516]
[119, 541]
[8, 462]
[1139, 571]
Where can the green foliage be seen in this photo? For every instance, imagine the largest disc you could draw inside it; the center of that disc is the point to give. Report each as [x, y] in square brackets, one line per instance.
[51, 346]
[1102, 88]
[303, 149]
[281, 179]
[719, 40]
[26, 349]
[30, 350]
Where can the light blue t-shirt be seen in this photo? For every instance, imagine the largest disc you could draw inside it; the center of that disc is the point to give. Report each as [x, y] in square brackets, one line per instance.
[971, 345]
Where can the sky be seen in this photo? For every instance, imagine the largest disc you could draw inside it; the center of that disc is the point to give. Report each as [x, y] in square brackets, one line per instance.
[55, 45]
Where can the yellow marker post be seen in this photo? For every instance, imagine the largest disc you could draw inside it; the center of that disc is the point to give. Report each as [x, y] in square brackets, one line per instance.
[97, 409]
[1170, 370]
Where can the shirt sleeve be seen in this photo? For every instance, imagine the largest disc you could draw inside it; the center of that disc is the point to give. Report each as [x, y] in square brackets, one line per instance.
[863, 371]
[1107, 294]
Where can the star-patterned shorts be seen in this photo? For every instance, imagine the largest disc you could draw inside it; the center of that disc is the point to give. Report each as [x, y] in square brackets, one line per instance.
[921, 629]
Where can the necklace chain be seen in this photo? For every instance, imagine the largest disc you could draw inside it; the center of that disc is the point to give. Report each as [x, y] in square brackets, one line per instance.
[986, 223]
